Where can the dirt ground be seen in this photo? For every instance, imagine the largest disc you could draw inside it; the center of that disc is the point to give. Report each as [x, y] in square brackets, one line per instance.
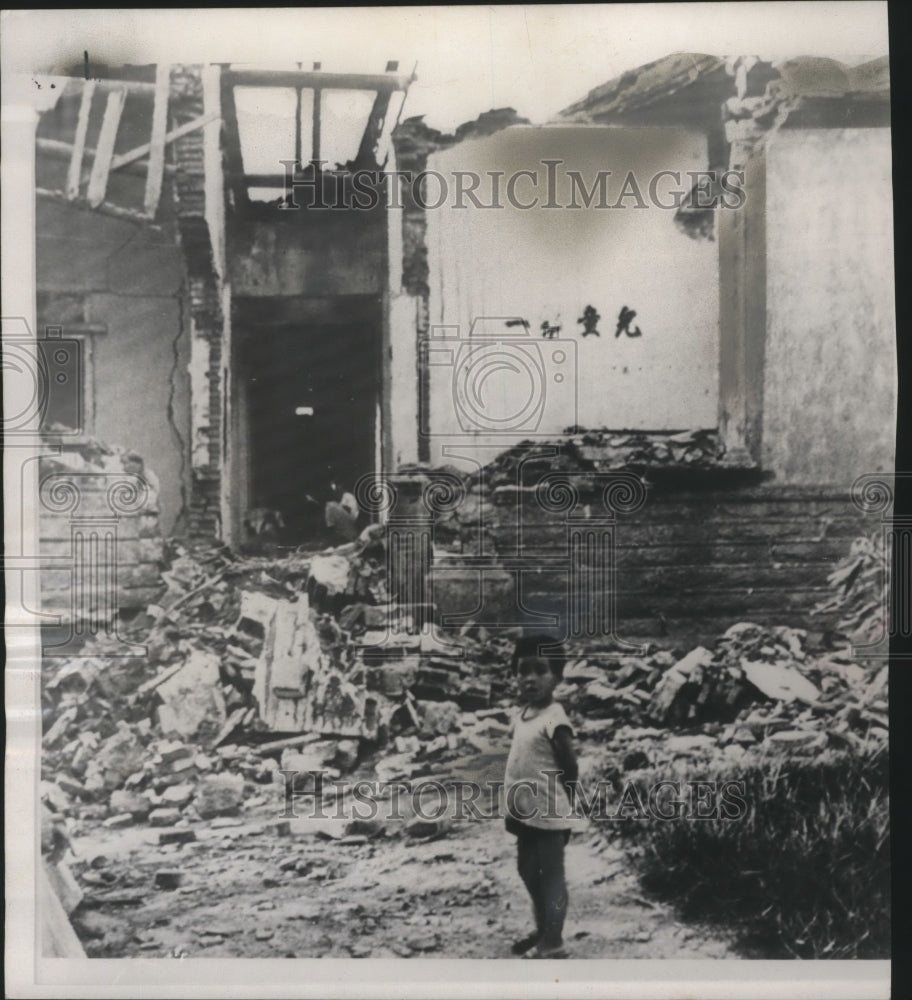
[258, 887]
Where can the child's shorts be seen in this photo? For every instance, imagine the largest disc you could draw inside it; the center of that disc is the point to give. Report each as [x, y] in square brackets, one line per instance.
[520, 829]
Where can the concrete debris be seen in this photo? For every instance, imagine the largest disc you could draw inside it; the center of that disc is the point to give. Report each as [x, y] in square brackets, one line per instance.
[219, 795]
[781, 682]
[137, 807]
[192, 700]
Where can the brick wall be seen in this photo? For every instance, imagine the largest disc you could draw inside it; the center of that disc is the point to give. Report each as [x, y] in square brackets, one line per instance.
[689, 563]
[203, 292]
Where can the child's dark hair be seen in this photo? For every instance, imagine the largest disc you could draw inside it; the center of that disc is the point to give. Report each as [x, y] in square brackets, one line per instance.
[546, 647]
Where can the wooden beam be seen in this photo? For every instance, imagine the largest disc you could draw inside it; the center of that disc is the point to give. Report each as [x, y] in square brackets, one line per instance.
[317, 124]
[742, 318]
[140, 151]
[130, 86]
[58, 148]
[231, 144]
[74, 172]
[374, 128]
[298, 102]
[336, 81]
[101, 168]
[156, 169]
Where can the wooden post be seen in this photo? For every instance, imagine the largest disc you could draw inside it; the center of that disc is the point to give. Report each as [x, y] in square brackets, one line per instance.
[104, 154]
[157, 145]
[82, 127]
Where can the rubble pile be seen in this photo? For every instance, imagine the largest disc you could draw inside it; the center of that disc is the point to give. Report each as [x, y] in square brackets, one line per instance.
[253, 665]
[639, 449]
[602, 451]
[760, 690]
[861, 585]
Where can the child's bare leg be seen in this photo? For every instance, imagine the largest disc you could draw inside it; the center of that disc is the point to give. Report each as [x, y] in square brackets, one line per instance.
[528, 865]
[552, 887]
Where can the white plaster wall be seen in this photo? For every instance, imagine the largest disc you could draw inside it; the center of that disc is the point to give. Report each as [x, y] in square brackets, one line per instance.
[403, 373]
[829, 410]
[550, 263]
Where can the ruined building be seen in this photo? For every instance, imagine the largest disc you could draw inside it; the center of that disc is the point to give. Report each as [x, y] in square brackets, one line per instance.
[261, 345]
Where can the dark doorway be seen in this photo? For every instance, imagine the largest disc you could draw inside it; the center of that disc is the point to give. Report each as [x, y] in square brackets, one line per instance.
[311, 374]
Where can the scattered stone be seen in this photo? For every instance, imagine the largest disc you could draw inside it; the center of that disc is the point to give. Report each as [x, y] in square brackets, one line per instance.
[168, 880]
[207, 940]
[183, 764]
[439, 717]
[164, 817]
[193, 702]
[264, 934]
[177, 795]
[72, 787]
[118, 822]
[226, 822]
[219, 795]
[123, 801]
[173, 750]
[780, 682]
[418, 827]
[407, 745]
[420, 942]
[366, 827]
[115, 760]
[176, 837]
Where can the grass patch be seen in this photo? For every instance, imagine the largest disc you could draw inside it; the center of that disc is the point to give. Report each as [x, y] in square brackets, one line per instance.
[805, 874]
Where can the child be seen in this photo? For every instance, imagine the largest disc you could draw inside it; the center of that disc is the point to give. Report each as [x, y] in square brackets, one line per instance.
[539, 790]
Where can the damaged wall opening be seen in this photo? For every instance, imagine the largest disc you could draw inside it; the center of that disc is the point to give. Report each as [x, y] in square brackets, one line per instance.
[307, 374]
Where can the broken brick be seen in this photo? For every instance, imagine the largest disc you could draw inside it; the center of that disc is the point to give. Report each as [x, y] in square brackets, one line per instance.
[164, 817]
[168, 880]
[176, 837]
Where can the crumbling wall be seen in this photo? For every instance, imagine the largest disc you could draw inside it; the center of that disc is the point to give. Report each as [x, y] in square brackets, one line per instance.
[117, 286]
[99, 534]
[708, 547]
[204, 294]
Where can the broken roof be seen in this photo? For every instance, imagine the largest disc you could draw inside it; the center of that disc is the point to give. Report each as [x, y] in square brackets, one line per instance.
[688, 85]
